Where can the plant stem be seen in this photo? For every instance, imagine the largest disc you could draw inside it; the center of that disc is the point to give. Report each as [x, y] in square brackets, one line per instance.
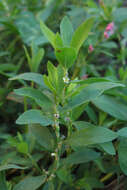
[106, 177]
[34, 163]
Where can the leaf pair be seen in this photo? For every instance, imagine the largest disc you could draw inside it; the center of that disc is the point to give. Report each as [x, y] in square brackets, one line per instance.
[68, 44]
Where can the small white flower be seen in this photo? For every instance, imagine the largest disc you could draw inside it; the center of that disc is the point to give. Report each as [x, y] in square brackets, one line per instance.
[56, 115]
[66, 79]
[53, 154]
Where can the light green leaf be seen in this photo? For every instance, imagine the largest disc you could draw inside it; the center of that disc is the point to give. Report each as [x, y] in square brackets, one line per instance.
[66, 56]
[91, 135]
[58, 41]
[66, 30]
[48, 33]
[43, 136]
[111, 106]
[54, 80]
[22, 147]
[36, 60]
[35, 77]
[30, 183]
[81, 34]
[33, 116]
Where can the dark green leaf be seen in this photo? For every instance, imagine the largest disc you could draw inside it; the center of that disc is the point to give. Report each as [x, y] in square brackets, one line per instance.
[11, 166]
[111, 106]
[40, 98]
[3, 184]
[30, 183]
[108, 147]
[91, 135]
[89, 93]
[35, 77]
[122, 153]
[43, 136]
[82, 156]
[33, 116]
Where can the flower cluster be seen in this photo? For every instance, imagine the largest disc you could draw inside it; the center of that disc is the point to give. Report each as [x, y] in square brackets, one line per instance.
[109, 30]
[90, 49]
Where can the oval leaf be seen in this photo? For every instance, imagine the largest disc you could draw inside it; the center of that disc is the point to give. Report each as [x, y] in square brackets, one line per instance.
[111, 106]
[35, 77]
[91, 135]
[33, 117]
[30, 183]
[81, 34]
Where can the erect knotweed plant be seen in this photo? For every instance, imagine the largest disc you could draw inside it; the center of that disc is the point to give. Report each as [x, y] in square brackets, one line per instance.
[66, 139]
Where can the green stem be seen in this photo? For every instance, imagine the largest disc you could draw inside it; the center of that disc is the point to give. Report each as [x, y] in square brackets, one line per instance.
[34, 163]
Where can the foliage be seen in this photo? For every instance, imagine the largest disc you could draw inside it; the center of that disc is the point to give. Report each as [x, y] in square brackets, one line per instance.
[63, 94]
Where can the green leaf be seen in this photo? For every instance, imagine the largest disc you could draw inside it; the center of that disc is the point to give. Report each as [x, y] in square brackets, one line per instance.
[81, 34]
[7, 67]
[35, 77]
[108, 147]
[33, 116]
[82, 125]
[3, 184]
[30, 183]
[11, 166]
[66, 56]
[36, 60]
[76, 112]
[40, 98]
[66, 30]
[122, 154]
[58, 41]
[54, 80]
[91, 113]
[120, 14]
[89, 183]
[91, 135]
[122, 132]
[89, 93]
[82, 156]
[22, 147]
[43, 136]
[111, 106]
[29, 28]
[64, 175]
[86, 95]
[48, 33]
[91, 80]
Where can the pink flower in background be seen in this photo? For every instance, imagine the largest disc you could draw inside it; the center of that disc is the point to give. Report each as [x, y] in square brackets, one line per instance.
[110, 27]
[90, 48]
[106, 35]
[109, 30]
[84, 77]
